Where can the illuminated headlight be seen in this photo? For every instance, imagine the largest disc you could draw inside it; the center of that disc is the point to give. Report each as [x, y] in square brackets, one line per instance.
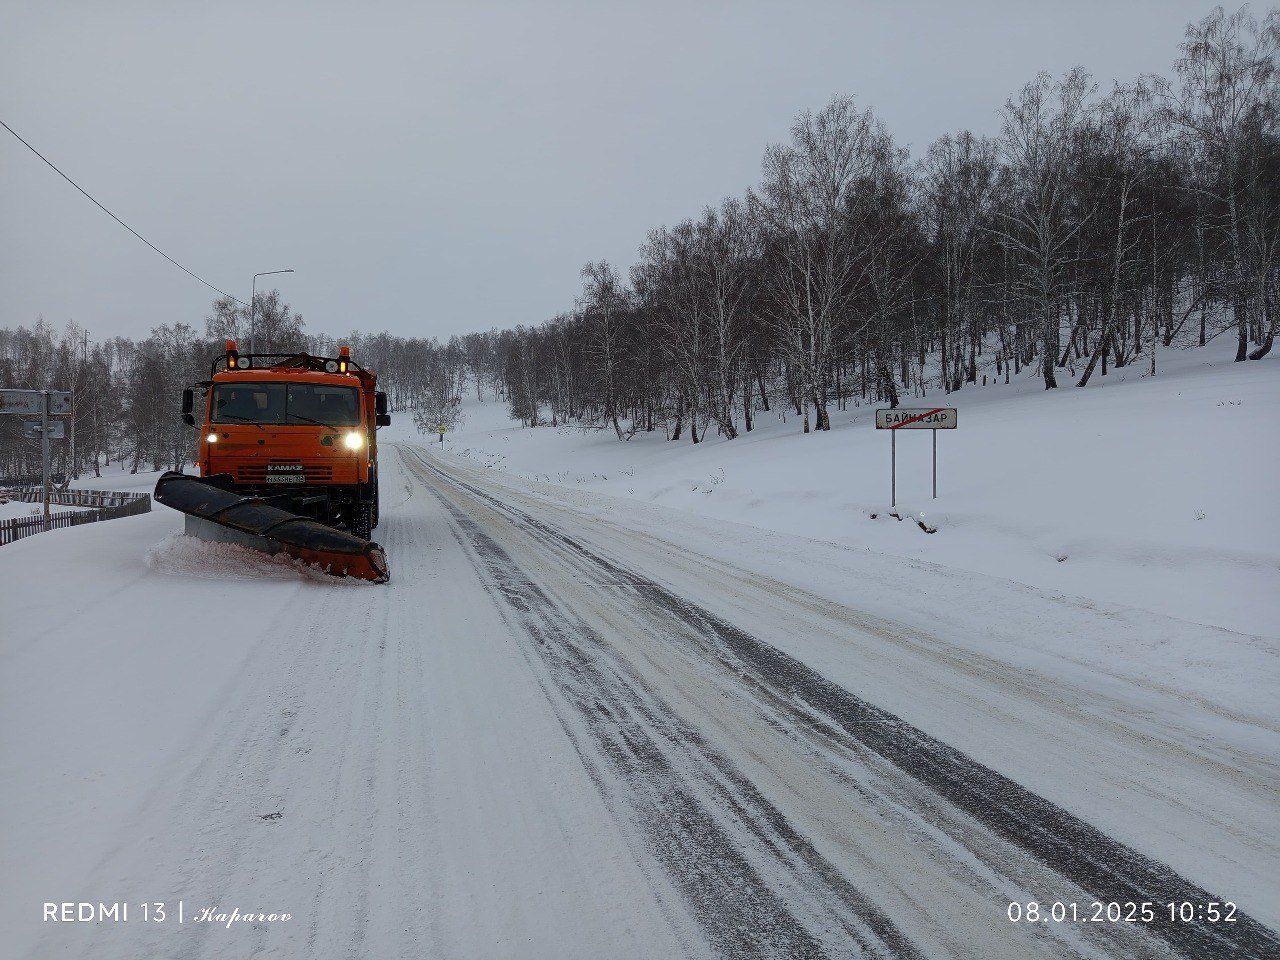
[212, 438]
[353, 441]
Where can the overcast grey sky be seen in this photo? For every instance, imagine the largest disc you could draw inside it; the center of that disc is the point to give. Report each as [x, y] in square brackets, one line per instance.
[434, 168]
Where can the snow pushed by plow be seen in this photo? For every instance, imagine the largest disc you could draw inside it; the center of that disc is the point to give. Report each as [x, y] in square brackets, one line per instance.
[183, 556]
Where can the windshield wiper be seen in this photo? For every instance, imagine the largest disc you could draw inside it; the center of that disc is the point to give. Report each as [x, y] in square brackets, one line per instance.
[233, 416]
[331, 426]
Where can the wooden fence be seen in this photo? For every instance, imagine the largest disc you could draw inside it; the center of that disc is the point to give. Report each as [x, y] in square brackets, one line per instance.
[99, 504]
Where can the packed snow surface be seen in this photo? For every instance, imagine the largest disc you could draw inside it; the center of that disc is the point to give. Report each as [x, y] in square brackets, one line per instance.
[625, 717]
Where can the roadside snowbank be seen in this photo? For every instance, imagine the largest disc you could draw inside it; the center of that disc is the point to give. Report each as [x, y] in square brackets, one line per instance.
[1152, 492]
[94, 711]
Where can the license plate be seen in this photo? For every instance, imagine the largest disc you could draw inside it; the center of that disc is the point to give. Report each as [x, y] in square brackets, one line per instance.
[286, 478]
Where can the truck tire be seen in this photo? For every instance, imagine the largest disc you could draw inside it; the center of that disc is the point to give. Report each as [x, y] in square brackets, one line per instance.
[373, 481]
[362, 521]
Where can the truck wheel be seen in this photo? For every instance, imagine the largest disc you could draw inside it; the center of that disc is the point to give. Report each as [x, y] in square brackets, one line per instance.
[376, 498]
[362, 521]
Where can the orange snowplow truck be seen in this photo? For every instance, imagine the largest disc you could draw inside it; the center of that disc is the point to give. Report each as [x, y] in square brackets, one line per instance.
[288, 459]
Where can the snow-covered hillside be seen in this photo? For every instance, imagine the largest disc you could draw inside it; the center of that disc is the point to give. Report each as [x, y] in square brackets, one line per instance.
[1151, 492]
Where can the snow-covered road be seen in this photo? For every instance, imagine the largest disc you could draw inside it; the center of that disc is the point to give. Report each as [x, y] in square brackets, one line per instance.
[569, 729]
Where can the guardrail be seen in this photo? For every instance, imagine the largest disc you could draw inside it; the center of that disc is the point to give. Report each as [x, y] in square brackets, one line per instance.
[99, 504]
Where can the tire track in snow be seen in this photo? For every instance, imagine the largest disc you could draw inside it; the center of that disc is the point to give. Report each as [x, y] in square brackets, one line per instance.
[694, 829]
[1107, 869]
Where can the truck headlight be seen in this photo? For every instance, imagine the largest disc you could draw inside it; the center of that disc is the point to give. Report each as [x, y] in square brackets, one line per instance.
[212, 438]
[353, 441]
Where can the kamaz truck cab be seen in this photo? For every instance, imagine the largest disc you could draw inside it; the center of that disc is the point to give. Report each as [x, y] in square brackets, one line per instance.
[297, 429]
[288, 458]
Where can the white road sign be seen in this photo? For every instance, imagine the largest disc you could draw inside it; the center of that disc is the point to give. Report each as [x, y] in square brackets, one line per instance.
[933, 418]
[30, 401]
[57, 430]
[20, 401]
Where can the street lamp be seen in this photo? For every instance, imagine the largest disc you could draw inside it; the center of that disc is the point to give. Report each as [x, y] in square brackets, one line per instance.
[253, 340]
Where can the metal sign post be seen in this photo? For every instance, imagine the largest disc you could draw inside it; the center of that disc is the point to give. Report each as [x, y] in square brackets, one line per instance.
[46, 403]
[938, 418]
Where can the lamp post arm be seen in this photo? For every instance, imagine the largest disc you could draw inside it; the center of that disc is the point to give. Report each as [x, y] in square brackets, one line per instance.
[253, 303]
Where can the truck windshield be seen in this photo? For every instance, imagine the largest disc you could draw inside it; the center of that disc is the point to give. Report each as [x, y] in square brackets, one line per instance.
[305, 404]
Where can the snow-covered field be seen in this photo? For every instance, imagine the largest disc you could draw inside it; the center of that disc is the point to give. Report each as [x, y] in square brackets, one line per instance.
[628, 711]
[1158, 493]
[12, 509]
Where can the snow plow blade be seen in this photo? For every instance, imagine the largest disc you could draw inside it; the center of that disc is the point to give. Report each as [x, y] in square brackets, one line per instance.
[222, 515]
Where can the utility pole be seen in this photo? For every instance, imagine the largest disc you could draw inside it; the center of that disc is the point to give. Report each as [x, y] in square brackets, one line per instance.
[73, 463]
[44, 451]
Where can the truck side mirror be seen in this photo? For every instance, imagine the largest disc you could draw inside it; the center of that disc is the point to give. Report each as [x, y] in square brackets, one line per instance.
[380, 403]
[188, 402]
[383, 420]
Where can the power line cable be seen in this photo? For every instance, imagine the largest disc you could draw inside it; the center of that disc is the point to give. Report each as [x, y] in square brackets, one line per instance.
[117, 219]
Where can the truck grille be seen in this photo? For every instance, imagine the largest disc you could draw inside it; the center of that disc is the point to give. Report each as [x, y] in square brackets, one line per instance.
[312, 472]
